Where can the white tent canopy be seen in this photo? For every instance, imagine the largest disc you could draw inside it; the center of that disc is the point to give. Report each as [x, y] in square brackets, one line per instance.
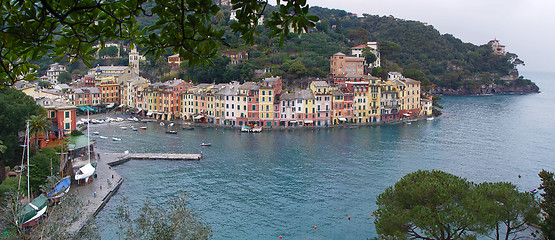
[342, 119]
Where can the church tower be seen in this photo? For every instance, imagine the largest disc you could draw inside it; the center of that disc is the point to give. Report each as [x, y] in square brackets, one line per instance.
[134, 60]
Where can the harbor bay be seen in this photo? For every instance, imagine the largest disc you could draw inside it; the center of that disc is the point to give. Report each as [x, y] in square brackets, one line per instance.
[285, 182]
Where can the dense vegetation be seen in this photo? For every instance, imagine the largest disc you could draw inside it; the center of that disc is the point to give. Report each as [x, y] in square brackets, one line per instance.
[435, 205]
[424, 53]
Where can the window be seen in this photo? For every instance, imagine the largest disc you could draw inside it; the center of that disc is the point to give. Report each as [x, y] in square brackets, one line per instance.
[67, 126]
[67, 114]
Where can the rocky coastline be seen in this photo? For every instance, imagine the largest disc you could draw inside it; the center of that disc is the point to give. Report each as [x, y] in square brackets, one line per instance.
[487, 89]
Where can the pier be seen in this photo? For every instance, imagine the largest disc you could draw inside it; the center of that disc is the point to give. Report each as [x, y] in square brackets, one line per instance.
[121, 158]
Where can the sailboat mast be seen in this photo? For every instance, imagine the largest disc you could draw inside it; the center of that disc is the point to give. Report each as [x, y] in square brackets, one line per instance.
[27, 140]
[88, 136]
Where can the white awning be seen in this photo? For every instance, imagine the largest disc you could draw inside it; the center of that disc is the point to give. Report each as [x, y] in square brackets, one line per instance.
[406, 114]
[342, 119]
[111, 105]
[198, 117]
[121, 105]
[308, 121]
[149, 114]
[292, 121]
[140, 109]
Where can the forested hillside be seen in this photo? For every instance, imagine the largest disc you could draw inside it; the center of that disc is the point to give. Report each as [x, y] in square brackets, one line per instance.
[423, 53]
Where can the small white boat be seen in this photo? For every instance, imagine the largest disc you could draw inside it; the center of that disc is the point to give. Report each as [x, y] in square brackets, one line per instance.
[430, 118]
[103, 137]
[143, 128]
[135, 119]
[100, 121]
[245, 129]
[256, 129]
[130, 119]
[116, 139]
[96, 133]
[123, 128]
[119, 119]
[162, 124]
[170, 125]
[206, 144]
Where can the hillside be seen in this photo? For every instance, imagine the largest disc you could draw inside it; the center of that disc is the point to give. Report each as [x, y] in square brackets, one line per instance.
[433, 58]
[439, 61]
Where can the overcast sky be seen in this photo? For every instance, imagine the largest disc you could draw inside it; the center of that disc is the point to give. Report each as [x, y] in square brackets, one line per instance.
[525, 27]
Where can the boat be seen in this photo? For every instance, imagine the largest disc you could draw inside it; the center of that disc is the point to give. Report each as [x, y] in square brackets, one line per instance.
[143, 128]
[135, 119]
[188, 128]
[170, 125]
[130, 119]
[206, 144]
[123, 128]
[409, 123]
[103, 137]
[85, 172]
[116, 139]
[245, 129]
[61, 188]
[133, 129]
[162, 124]
[96, 133]
[171, 132]
[32, 211]
[430, 118]
[119, 119]
[256, 129]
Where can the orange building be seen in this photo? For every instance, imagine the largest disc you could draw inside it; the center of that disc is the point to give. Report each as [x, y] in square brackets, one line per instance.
[110, 92]
[175, 61]
[341, 64]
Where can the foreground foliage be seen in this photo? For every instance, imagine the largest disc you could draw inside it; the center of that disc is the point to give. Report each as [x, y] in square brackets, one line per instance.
[157, 222]
[438, 205]
[68, 28]
[548, 204]
[15, 108]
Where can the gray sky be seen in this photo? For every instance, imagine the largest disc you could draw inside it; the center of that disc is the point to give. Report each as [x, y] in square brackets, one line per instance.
[525, 27]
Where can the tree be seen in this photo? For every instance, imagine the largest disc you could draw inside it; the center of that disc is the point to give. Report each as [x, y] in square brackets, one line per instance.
[44, 84]
[548, 204]
[437, 205]
[386, 49]
[505, 208]
[369, 56]
[427, 205]
[15, 109]
[64, 77]
[108, 52]
[39, 124]
[155, 222]
[43, 164]
[32, 28]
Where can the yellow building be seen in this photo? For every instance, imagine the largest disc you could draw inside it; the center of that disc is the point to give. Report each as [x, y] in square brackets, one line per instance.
[267, 105]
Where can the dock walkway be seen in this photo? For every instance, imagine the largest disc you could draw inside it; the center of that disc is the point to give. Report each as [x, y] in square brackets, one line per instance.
[96, 194]
[121, 158]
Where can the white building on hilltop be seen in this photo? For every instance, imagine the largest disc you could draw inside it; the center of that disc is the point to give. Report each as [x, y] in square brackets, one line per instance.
[497, 48]
[358, 50]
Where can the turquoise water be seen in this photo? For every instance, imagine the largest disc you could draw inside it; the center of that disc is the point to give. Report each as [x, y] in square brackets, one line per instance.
[260, 186]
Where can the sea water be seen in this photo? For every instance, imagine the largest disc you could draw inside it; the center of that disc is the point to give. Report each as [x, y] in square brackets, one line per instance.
[285, 182]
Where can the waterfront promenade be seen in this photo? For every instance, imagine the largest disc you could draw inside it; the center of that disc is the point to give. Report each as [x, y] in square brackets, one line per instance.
[95, 195]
